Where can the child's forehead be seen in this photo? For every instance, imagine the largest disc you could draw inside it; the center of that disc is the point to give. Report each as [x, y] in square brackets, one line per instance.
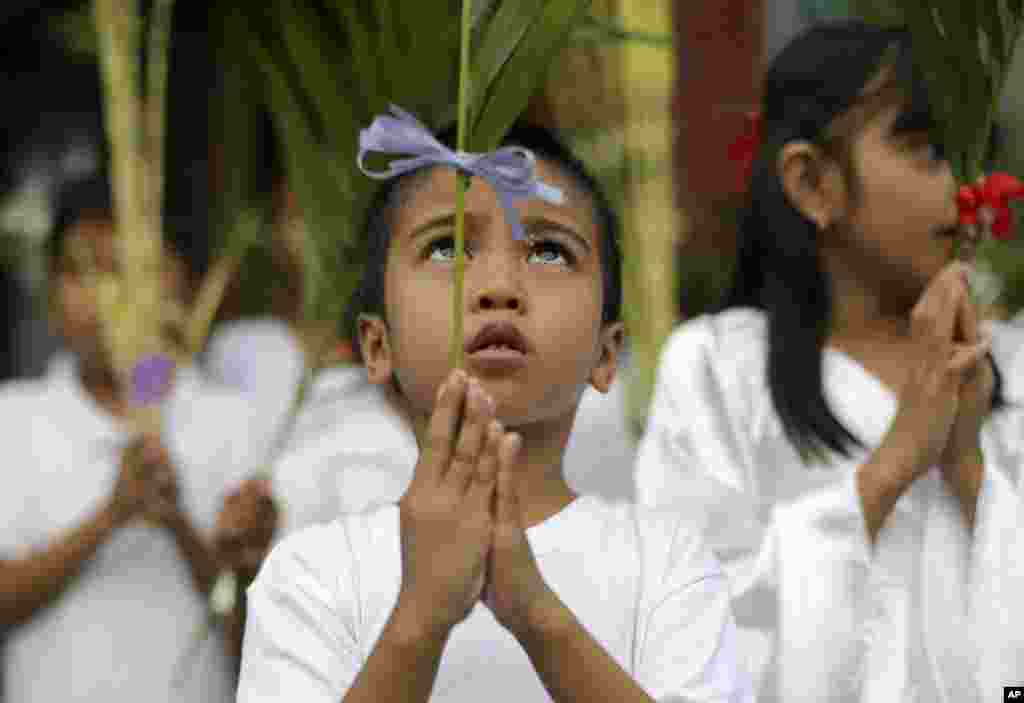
[434, 190]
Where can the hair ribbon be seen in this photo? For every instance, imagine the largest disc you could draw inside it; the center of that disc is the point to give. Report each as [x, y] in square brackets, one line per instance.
[511, 171]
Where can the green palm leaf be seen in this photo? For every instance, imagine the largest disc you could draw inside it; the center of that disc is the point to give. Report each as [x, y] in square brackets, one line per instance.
[509, 92]
[964, 51]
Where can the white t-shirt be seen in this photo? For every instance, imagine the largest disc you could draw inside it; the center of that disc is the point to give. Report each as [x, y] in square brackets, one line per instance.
[120, 629]
[931, 613]
[642, 584]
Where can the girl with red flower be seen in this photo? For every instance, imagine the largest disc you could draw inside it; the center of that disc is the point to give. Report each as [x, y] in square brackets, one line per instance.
[843, 429]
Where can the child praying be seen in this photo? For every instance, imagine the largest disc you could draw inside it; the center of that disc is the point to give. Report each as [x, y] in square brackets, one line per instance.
[844, 430]
[104, 544]
[491, 576]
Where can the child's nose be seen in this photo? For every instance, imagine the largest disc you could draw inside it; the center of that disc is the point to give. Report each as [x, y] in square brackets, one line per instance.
[498, 286]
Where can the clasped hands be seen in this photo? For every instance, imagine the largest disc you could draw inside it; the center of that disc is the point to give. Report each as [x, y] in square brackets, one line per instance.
[462, 539]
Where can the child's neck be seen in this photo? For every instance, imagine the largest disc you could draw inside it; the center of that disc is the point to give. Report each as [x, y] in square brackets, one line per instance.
[543, 490]
[859, 315]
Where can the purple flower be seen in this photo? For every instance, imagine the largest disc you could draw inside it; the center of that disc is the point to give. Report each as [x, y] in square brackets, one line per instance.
[151, 379]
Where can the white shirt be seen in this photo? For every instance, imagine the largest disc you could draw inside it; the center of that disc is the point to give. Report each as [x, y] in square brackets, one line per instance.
[122, 626]
[260, 357]
[643, 585]
[932, 615]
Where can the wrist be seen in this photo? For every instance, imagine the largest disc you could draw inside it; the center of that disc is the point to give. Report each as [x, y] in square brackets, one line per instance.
[550, 618]
[891, 469]
[408, 626]
[109, 518]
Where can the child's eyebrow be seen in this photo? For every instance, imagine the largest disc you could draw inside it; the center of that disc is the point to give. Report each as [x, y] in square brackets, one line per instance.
[448, 220]
[438, 222]
[532, 222]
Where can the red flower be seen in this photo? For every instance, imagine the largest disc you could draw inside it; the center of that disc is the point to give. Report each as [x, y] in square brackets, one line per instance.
[990, 200]
[744, 149]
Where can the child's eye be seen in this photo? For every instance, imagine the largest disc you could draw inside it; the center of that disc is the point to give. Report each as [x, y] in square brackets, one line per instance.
[551, 252]
[442, 249]
[547, 250]
[933, 152]
[929, 150]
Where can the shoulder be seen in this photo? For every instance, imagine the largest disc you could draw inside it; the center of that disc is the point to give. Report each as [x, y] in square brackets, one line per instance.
[249, 354]
[341, 559]
[349, 415]
[19, 394]
[669, 548]
[713, 366]
[735, 337]
[237, 334]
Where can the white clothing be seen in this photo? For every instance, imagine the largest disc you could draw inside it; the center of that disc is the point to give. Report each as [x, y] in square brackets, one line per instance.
[931, 615]
[121, 627]
[349, 449]
[642, 585]
[262, 358]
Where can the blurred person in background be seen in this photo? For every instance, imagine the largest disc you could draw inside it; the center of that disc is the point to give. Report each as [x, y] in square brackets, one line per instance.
[105, 560]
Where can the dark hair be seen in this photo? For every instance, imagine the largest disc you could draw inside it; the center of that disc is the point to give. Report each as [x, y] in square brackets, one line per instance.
[818, 77]
[369, 295]
[91, 193]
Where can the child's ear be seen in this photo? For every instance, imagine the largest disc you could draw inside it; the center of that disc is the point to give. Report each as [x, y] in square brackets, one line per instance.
[809, 181]
[375, 347]
[612, 338]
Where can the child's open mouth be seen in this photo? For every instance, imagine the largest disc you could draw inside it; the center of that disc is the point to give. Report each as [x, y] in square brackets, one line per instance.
[498, 346]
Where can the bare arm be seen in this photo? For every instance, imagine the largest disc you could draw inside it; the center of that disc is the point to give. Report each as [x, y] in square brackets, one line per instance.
[403, 664]
[573, 666]
[30, 584]
[199, 556]
[881, 481]
[965, 483]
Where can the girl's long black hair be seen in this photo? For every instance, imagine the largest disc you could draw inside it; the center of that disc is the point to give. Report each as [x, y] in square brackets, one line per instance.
[816, 78]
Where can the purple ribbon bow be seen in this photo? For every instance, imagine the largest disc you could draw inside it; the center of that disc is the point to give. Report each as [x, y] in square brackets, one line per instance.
[511, 171]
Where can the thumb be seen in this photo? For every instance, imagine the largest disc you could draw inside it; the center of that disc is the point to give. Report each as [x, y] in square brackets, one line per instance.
[507, 512]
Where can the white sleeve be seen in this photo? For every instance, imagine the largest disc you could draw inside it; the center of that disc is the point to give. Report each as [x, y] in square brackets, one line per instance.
[996, 566]
[686, 637]
[300, 642]
[695, 458]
